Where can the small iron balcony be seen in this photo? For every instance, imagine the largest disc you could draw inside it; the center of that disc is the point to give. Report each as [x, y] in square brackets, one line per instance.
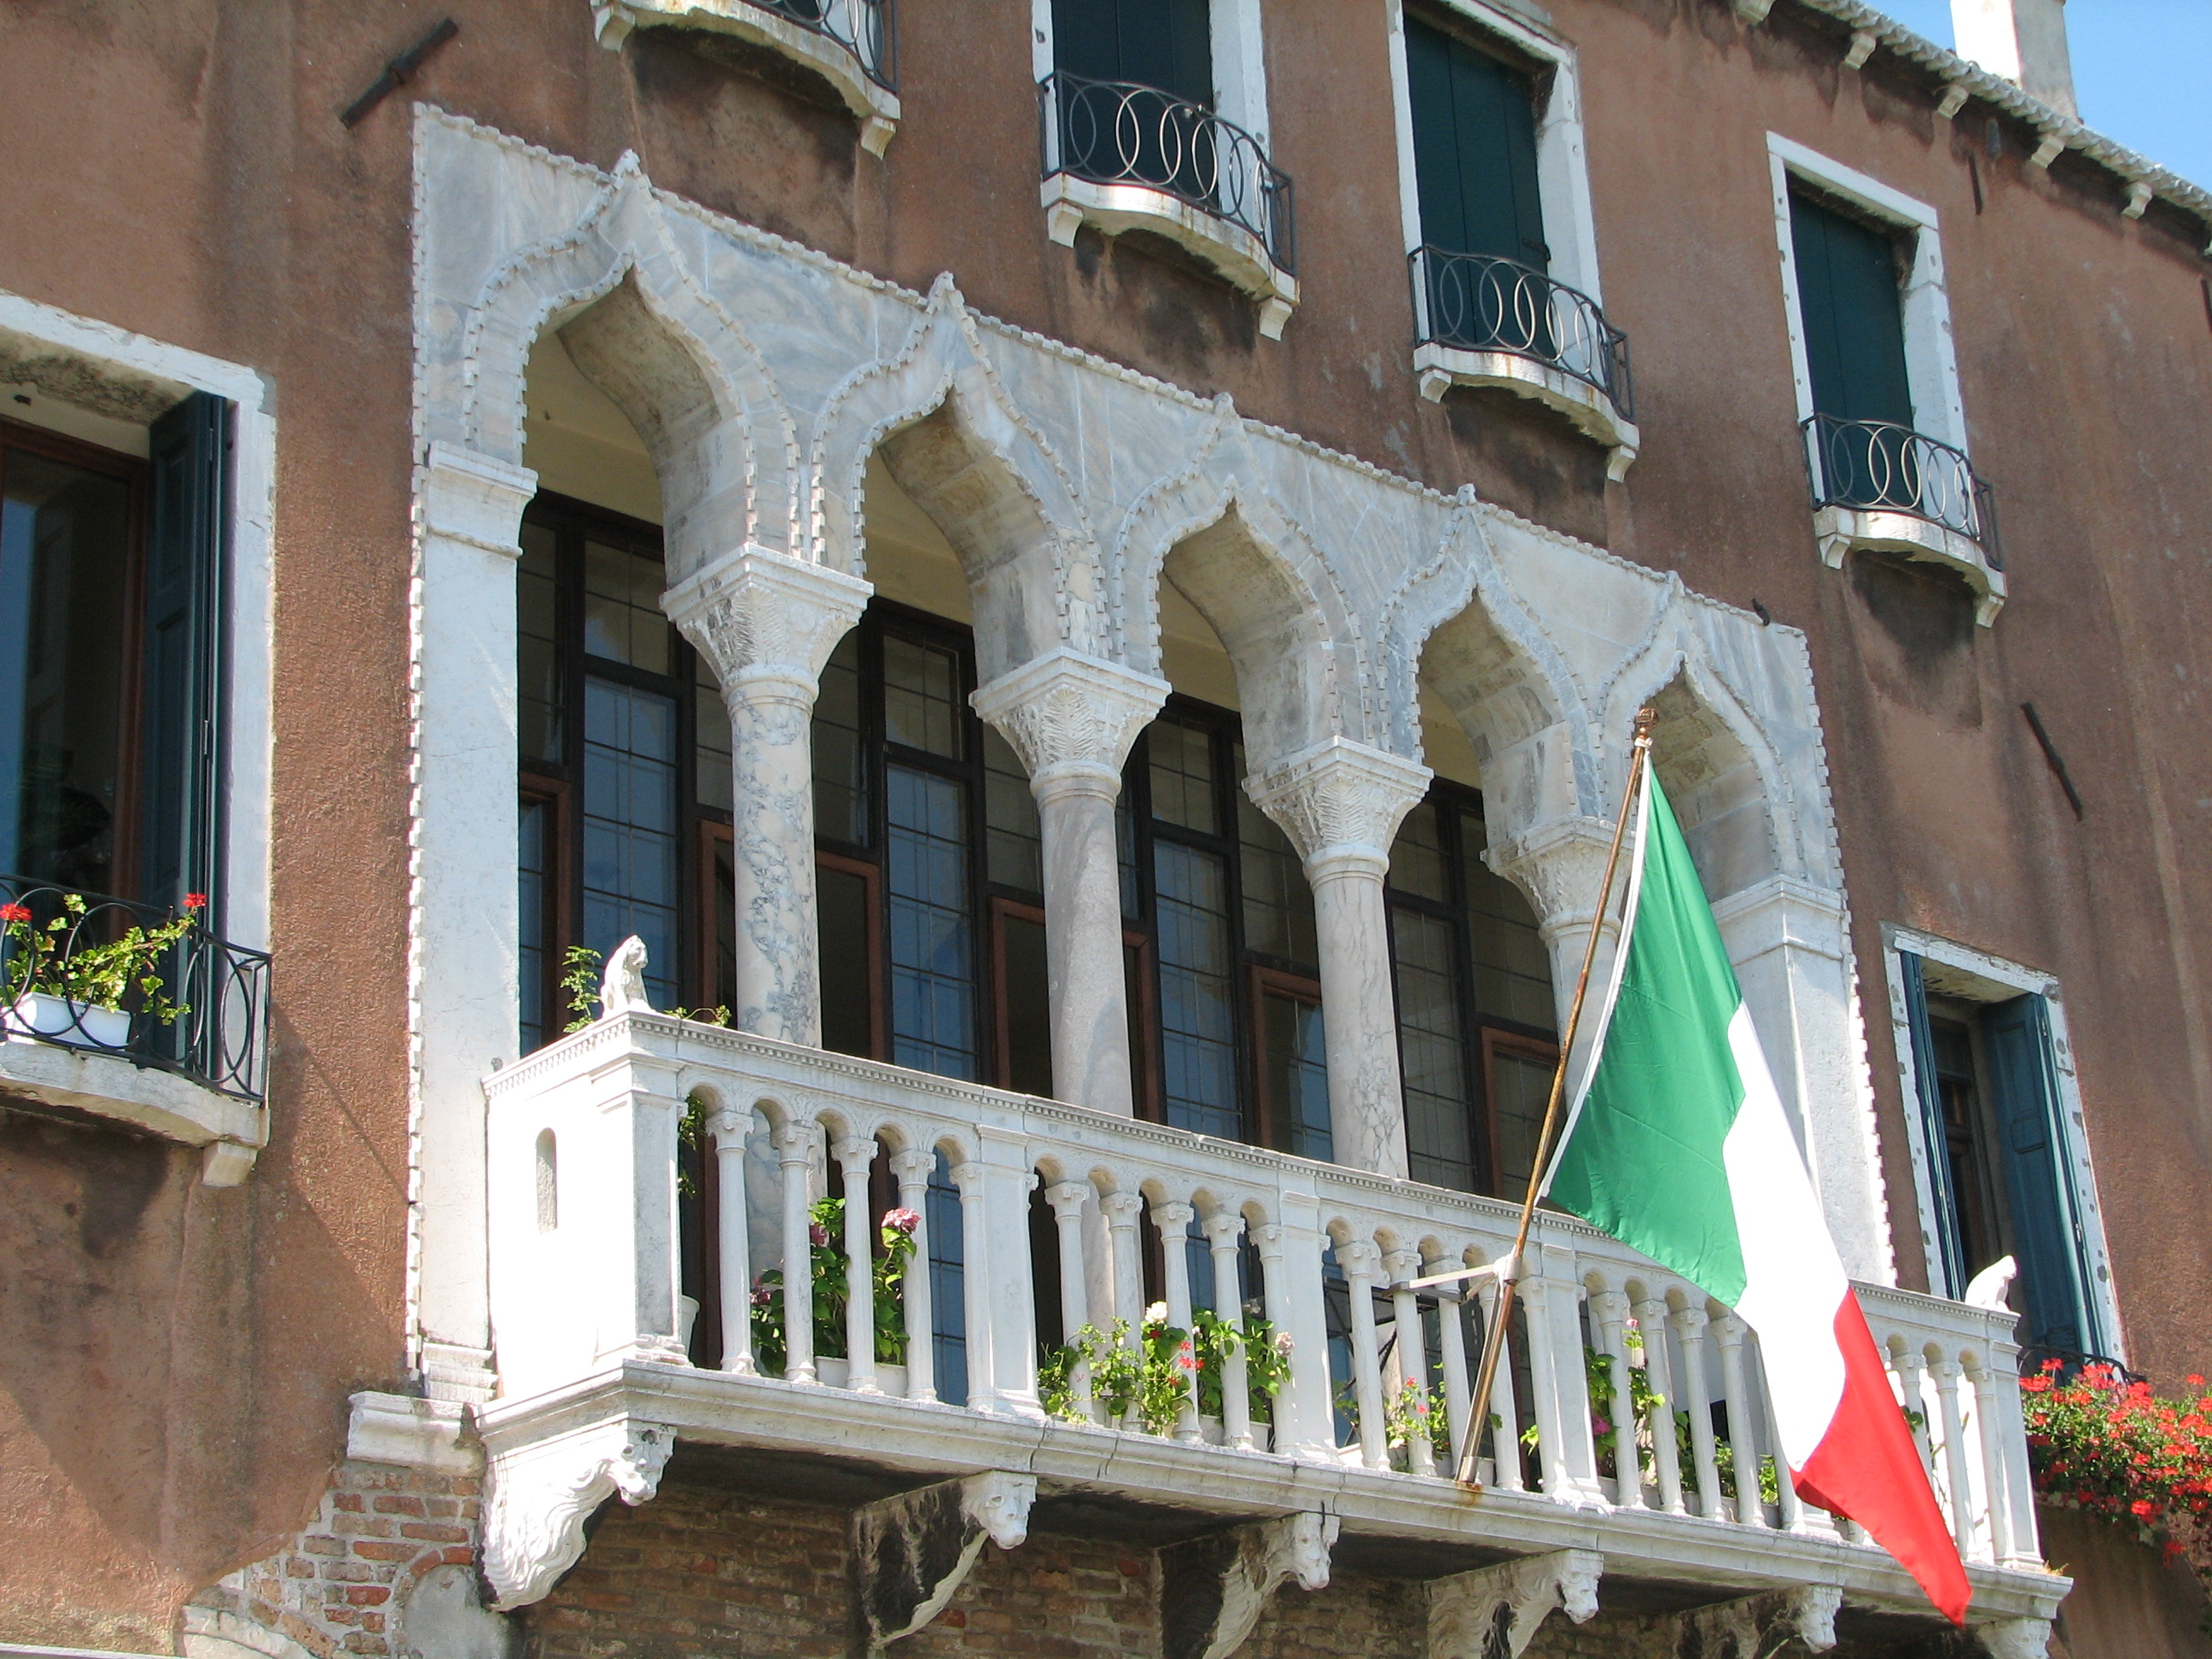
[134, 1012]
[1129, 157]
[1487, 321]
[864, 28]
[1880, 486]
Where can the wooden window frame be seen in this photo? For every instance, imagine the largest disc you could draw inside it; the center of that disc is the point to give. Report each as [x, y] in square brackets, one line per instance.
[1495, 1040]
[1262, 982]
[877, 966]
[1000, 908]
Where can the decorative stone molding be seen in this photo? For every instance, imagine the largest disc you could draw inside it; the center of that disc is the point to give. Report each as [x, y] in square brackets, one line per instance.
[1214, 1589]
[875, 106]
[229, 1132]
[1493, 1613]
[1437, 367]
[1560, 865]
[2014, 1639]
[1761, 1627]
[1071, 202]
[1954, 99]
[765, 619]
[1843, 531]
[1863, 42]
[1340, 803]
[1070, 716]
[455, 1371]
[423, 1434]
[912, 1553]
[538, 1497]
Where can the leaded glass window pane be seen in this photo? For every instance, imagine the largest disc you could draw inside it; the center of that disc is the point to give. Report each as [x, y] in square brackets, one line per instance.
[531, 872]
[623, 618]
[1416, 860]
[1014, 847]
[1512, 968]
[1298, 1076]
[933, 947]
[1197, 992]
[1520, 1085]
[922, 705]
[1432, 1049]
[1183, 775]
[840, 786]
[631, 827]
[1279, 911]
[710, 720]
[536, 614]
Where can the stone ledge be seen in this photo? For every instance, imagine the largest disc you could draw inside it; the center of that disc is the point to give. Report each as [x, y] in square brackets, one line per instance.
[231, 1132]
[1843, 531]
[1239, 255]
[1440, 368]
[423, 1434]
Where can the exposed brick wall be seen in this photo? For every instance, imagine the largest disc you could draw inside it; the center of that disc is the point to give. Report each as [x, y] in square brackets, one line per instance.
[338, 1587]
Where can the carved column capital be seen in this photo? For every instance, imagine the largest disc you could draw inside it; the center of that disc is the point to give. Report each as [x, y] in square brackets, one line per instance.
[1401, 1265]
[1359, 1259]
[854, 1153]
[1222, 1229]
[1173, 1219]
[1121, 1208]
[1268, 1236]
[914, 1165]
[1067, 1197]
[765, 622]
[1464, 1609]
[1340, 803]
[1608, 1307]
[1690, 1322]
[1071, 718]
[730, 1125]
[794, 1139]
[538, 1497]
[1560, 865]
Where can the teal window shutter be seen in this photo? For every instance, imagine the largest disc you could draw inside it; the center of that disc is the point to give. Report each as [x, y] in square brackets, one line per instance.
[1949, 1275]
[1853, 315]
[1474, 149]
[1167, 44]
[2048, 1237]
[180, 745]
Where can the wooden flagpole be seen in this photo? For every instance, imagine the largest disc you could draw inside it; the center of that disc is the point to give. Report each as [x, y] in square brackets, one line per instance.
[1493, 1333]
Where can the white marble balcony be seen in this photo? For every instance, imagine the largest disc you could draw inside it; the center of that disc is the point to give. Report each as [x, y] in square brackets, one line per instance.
[596, 1386]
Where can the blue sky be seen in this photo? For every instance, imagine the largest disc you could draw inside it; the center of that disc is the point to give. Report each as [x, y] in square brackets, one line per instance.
[2140, 71]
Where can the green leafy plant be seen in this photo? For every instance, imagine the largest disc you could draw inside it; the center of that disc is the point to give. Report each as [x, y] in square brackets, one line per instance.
[2103, 1443]
[581, 968]
[826, 1276]
[46, 961]
[1149, 1377]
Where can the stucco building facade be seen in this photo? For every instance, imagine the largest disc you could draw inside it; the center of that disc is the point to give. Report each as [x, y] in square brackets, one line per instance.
[1079, 577]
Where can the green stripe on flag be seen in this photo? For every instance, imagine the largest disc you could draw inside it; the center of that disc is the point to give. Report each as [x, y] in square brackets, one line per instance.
[1641, 1158]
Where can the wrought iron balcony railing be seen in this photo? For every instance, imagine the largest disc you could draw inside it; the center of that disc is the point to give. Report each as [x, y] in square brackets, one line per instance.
[1115, 132]
[70, 975]
[1481, 302]
[1878, 467]
[866, 28]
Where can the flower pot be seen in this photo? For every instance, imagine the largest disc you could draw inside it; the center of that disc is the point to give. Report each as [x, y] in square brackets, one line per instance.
[837, 1374]
[36, 1013]
[687, 1316]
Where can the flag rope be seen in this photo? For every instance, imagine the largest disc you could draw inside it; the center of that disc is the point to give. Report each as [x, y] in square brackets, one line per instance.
[1510, 1270]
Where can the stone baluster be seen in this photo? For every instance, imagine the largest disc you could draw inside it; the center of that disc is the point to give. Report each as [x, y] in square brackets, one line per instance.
[1174, 1222]
[1412, 1352]
[1548, 1298]
[1222, 1229]
[1359, 1260]
[1651, 1323]
[1072, 720]
[795, 1141]
[1690, 1324]
[1789, 1509]
[971, 1179]
[1290, 1277]
[914, 1165]
[1958, 1484]
[854, 1154]
[1068, 1199]
[1451, 1356]
[1909, 1365]
[2011, 1434]
[1986, 1432]
[1608, 1312]
[1123, 1210]
[1009, 1177]
[766, 624]
[729, 1127]
[1340, 803]
[1743, 1445]
[1505, 1436]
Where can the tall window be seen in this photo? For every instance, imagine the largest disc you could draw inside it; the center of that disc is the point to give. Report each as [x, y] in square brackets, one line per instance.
[1475, 148]
[625, 770]
[1475, 1013]
[929, 874]
[111, 596]
[1997, 1171]
[1165, 44]
[1848, 272]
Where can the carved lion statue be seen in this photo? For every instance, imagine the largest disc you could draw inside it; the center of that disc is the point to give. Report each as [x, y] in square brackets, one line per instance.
[621, 988]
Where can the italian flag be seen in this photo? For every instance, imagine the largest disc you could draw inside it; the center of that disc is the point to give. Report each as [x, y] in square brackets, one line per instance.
[1677, 1146]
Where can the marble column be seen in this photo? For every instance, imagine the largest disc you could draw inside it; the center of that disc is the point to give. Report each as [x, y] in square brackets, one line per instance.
[766, 624]
[1340, 803]
[1071, 719]
[1559, 863]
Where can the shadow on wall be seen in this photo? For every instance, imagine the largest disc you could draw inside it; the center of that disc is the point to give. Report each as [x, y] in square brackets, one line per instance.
[2128, 1602]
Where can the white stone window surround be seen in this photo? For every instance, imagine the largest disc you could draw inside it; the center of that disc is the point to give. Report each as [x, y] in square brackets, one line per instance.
[1931, 364]
[1569, 224]
[1238, 43]
[2010, 978]
[230, 1130]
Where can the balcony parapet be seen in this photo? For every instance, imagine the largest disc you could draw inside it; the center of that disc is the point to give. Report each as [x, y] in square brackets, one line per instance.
[168, 1034]
[1481, 320]
[1879, 487]
[1127, 157]
[852, 44]
[584, 1283]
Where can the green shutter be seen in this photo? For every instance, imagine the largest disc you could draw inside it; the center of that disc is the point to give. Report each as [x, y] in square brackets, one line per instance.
[2048, 1238]
[1854, 321]
[1948, 1274]
[180, 732]
[1167, 44]
[1474, 151]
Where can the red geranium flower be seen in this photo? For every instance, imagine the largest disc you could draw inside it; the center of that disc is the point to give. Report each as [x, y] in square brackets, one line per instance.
[195, 901]
[15, 913]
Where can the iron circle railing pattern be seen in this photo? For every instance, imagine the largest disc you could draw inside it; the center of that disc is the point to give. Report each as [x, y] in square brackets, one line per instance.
[1116, 132]
[866, 28]
[219, 1035]
[1880, 467]
[1484, 302]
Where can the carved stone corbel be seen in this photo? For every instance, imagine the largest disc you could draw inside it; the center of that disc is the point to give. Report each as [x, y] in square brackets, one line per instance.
[1212, 1589]
[2014, 1639]
[1761, 1627]
[1494, 1612]
[913, 1552]
[538, 1498]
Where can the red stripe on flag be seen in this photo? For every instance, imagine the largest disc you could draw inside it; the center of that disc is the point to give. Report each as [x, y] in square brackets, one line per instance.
[1866, 1467]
